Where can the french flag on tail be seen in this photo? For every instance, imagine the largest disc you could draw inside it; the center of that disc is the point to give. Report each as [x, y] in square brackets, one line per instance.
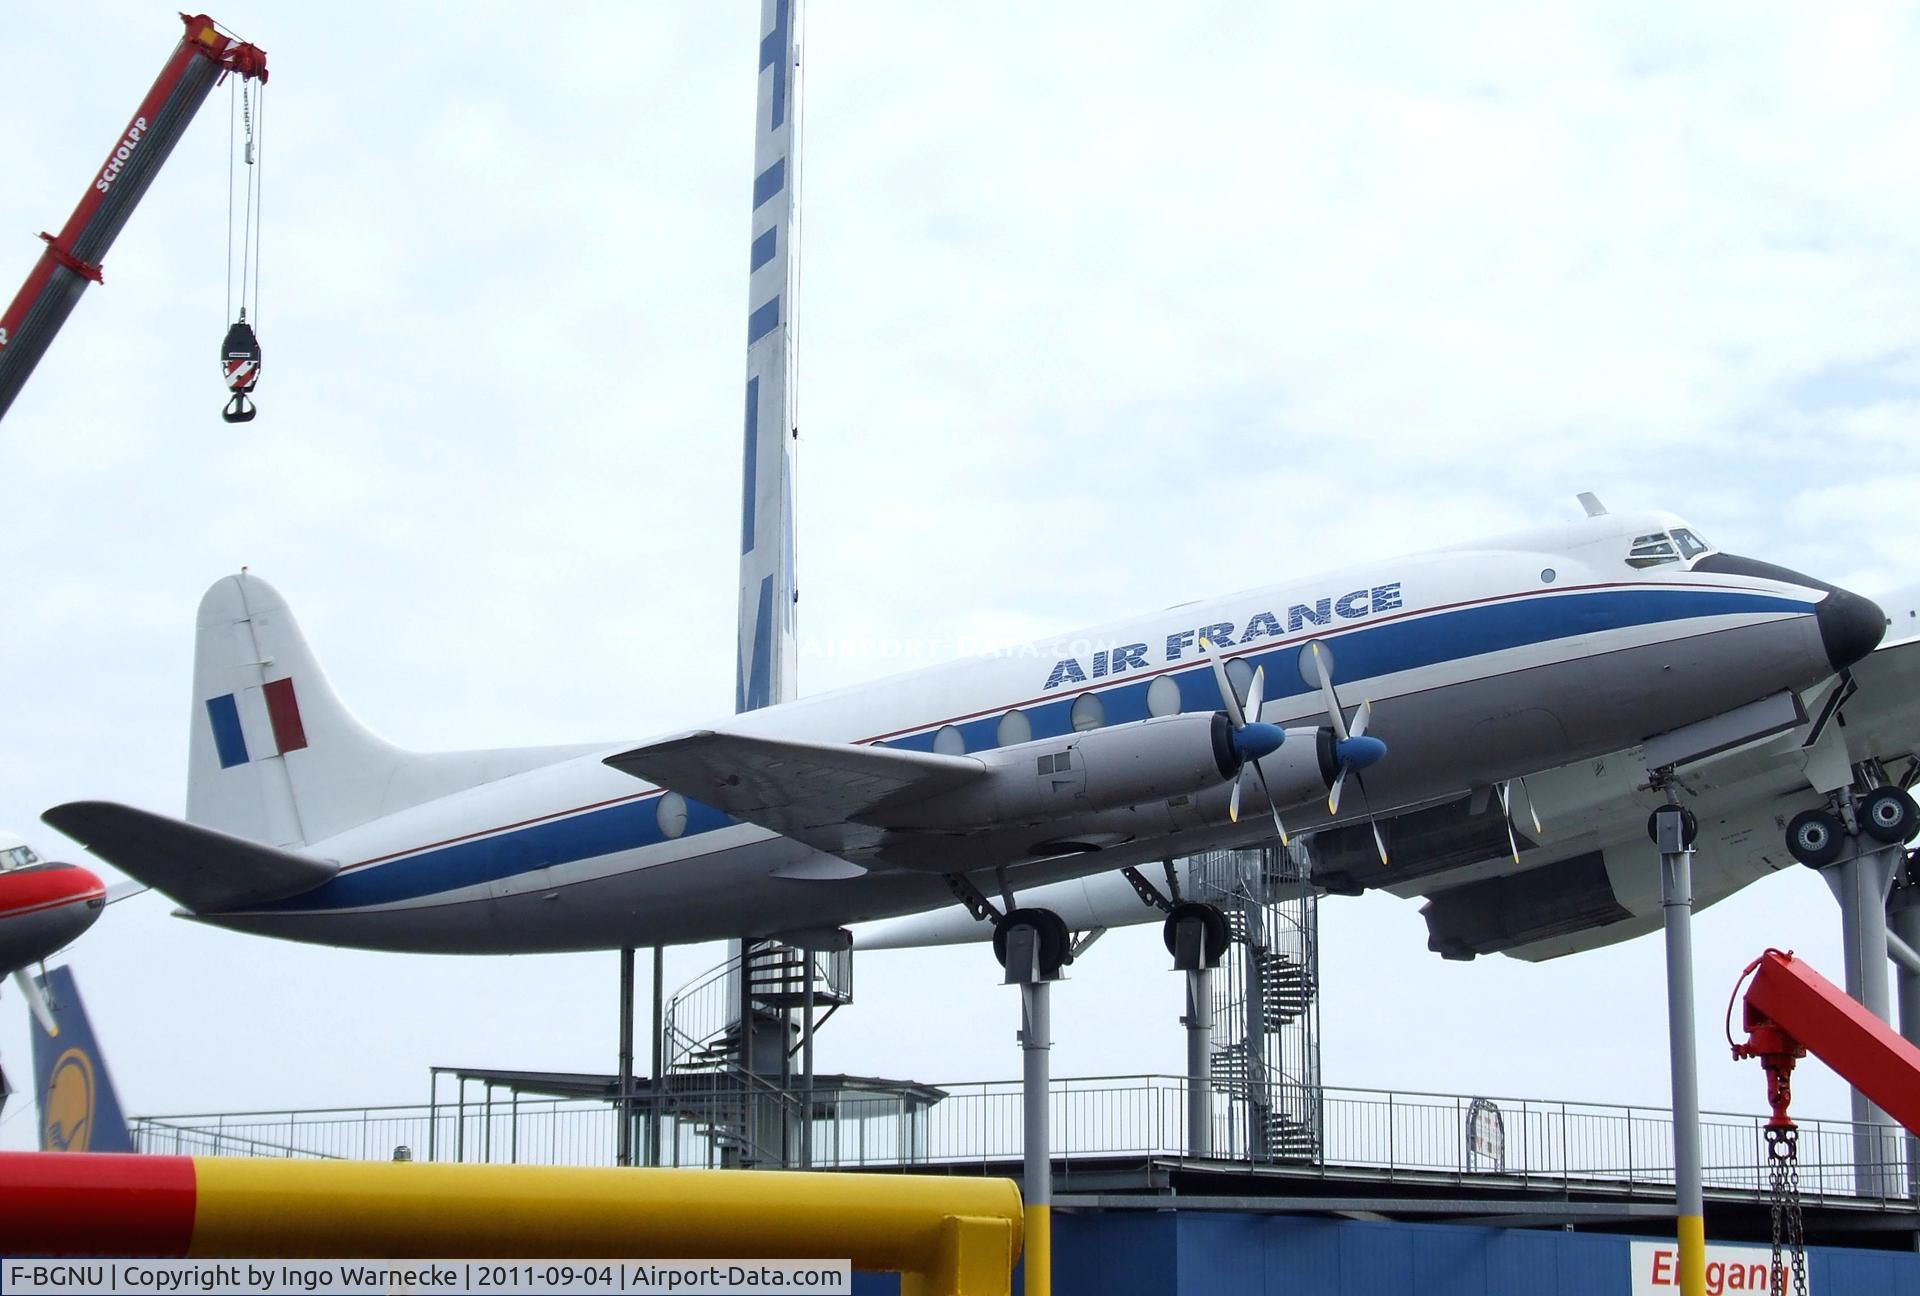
[270, 714]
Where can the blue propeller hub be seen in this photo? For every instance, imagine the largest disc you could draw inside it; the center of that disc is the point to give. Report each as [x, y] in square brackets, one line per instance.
[1251, 742]
[1359, 752]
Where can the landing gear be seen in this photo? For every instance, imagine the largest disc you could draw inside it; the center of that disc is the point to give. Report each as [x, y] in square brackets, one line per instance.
[1816, 838]
[1889, 815]
[1196, 935]
[1054, 946]
[1886, 815]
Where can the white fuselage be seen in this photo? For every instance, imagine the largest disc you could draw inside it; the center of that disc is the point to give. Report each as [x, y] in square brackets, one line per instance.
[1481, 664]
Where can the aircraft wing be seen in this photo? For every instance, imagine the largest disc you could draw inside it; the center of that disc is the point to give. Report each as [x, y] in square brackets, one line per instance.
[817, 793]
[204, 870]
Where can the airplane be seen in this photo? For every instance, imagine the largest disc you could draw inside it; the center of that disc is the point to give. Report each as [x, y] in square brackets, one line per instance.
[79, 1108]
[43, 907]
[1320, 704]
[1572, 870]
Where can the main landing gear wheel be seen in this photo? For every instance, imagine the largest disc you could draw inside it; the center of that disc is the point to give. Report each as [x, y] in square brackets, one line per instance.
[1212, 921]
[1889, 815]
[1056, 946]
[1815, 838]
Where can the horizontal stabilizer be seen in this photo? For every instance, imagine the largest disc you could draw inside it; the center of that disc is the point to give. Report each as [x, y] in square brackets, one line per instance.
[204, 870]
[807, 791]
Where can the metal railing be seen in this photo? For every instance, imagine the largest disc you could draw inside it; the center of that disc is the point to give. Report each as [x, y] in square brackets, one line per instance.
[1565, 1146]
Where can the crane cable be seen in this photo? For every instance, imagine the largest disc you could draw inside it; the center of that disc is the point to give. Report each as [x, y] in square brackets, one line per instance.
[240, 352]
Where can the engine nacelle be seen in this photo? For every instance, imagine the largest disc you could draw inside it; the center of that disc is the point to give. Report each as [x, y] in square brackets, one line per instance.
[1146, 761]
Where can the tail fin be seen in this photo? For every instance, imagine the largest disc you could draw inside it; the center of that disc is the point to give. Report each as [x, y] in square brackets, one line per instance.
[276, 758]
[79, 1110]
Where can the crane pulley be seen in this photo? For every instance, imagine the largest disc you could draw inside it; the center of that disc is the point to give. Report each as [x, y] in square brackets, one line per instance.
[240, 351]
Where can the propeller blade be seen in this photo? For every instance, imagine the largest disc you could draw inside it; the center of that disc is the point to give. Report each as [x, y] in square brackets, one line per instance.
[1256, 693]
[1532, 810]
[1379, 842]
[1277, 825]
[1506, 812]
[30, 991]
[1333, 793]
[1326, 691]
[1360, 719]
[1233, 801]
[1227, 695]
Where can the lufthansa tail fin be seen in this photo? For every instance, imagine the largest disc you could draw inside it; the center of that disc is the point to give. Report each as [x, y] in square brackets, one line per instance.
[276, 757]
[79, 1110]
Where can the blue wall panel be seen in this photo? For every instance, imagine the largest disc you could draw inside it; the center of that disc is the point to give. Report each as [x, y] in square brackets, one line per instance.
[1133, 1253]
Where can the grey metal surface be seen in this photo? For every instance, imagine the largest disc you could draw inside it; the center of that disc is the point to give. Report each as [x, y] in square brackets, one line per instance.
[1036, 1043]
[1199, 1022]
[1861, 885]
[1676, 898]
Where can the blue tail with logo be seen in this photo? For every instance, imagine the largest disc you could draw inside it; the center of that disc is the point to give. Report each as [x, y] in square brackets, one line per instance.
[79, 1111]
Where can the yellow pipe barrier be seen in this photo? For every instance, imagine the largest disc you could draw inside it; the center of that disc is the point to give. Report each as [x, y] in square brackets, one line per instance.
[944, 1234]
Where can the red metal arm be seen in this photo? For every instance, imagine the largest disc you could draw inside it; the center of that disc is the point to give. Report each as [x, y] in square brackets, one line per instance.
[73, 256]
[1791, 1010]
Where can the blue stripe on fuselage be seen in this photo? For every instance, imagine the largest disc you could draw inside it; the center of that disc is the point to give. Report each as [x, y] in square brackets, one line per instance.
[1360, 652]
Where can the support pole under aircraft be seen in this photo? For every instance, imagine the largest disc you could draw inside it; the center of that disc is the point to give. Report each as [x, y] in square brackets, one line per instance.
[806, 1062]
[1032, 946]
[1903, 920]
[1862, 885]
[1672, 828]
[654, 1156]
[624, 1143]
[1199, 1022]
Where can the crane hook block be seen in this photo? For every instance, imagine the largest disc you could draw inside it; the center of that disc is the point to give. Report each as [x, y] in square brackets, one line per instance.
[240, 359]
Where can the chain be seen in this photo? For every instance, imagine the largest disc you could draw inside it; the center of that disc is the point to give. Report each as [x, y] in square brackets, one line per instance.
[1783, 1165]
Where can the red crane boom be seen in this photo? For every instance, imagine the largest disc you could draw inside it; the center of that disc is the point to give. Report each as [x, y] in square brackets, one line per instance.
[1791, 1011]
[72, 259]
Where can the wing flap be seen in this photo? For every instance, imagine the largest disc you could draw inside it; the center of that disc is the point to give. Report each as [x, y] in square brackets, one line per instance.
[204, 870]
[813, 792]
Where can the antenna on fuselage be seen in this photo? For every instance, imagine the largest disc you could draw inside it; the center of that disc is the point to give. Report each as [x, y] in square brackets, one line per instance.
[1591, 503]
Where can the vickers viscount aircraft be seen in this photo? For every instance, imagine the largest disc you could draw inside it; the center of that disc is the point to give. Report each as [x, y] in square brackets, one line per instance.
[1314, 704]
[44, 906]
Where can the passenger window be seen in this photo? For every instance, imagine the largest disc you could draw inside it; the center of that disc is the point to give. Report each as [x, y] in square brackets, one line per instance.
[1163, 696]
[1089, 712]
[950, 742]
[1014, 729]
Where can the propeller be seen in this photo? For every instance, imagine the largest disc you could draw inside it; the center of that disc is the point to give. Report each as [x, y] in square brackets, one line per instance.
[1252, 739]
[30, 991]
[1353, 749]
[1506, 808]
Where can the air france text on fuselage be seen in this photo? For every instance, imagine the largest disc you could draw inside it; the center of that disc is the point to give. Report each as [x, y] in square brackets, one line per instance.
[1181, 645]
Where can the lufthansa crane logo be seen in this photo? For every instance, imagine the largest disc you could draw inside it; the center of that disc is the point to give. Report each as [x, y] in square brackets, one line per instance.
[68, 1118]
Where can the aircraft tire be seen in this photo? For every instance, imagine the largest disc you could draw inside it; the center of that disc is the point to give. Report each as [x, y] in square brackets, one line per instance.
[1815, 838]
[1889, 815]
[1212, 920]
[1055, 944]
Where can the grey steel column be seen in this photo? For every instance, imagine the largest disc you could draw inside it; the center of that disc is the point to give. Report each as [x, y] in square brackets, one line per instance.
[806, 1064]
[1672, 830]
[1036, 1039]
[1903, 917]
[1861, 886]
[1199, 1022]
[654, 1157]
[624, 1144]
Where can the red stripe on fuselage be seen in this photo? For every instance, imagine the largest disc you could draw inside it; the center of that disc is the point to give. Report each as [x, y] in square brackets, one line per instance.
[34, 890]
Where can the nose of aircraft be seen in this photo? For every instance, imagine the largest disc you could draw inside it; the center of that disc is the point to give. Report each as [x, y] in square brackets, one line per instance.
[1850, 626]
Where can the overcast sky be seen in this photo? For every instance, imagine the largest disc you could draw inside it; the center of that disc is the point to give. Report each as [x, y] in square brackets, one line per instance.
[1105, 307]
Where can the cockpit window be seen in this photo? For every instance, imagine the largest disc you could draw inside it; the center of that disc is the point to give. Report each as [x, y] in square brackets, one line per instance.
[1652, 550]
[1691, 545]
[17, 857]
